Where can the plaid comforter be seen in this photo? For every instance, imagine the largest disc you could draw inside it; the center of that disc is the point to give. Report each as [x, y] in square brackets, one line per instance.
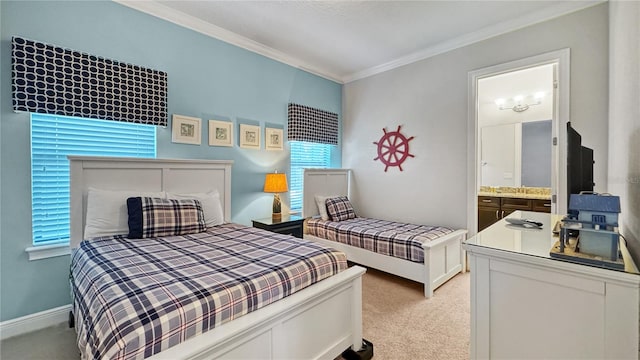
[381, 236]
[135, 298]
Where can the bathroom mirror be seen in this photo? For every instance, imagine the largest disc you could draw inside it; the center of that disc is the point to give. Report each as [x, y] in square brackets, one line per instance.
[516, 154]
[515, 128]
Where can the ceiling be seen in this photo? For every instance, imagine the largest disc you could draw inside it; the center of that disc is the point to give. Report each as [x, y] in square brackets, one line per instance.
[349, 40]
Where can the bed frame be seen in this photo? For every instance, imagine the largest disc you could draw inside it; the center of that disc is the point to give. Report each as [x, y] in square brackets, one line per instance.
[318, 322]
[443, 257]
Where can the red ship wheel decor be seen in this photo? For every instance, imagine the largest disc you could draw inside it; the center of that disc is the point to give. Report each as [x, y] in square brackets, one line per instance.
[393, 148]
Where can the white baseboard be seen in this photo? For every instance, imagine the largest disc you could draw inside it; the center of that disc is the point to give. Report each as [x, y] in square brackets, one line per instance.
[33, 322]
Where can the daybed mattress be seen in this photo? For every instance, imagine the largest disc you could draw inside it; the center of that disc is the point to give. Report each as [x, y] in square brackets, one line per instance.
[384, 237]
[133, 298]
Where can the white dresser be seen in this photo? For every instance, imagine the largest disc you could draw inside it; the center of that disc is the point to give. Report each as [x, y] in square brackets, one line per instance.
[526, 305]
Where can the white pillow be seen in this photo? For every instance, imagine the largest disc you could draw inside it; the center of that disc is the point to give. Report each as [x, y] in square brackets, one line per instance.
[211, 205]
[321, 202]
[107, 213]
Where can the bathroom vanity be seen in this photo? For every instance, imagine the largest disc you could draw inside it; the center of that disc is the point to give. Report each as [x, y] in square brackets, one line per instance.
[493, 206]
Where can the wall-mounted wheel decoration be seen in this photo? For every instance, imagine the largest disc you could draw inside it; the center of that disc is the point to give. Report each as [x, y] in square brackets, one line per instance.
[393, 148]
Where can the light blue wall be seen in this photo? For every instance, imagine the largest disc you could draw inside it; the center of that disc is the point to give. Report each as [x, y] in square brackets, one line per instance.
[207, 78]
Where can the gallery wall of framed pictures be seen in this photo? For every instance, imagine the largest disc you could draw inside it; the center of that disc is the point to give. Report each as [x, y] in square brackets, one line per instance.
[188, 130]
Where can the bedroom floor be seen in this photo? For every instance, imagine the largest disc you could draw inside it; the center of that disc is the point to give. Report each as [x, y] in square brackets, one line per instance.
[55, 343]
[400, 322]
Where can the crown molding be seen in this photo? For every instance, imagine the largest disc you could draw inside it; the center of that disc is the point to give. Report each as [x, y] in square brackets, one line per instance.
[190, 22]
[542, 15]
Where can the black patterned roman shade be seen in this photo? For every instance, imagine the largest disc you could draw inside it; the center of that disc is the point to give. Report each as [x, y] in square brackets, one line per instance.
[52, 80]
[308, 124]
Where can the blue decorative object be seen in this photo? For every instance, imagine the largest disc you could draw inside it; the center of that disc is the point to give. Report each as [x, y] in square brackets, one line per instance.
[595, 202]
[598, 223]
[594, 209]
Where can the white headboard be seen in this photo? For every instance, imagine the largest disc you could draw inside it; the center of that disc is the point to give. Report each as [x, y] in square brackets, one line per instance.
[323, 182]
[175, 175]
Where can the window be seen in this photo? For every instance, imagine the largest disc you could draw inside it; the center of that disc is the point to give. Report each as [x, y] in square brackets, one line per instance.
[54, 137]
[305, 155]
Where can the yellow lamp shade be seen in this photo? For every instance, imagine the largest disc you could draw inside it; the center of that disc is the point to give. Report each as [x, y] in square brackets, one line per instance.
[275, 183]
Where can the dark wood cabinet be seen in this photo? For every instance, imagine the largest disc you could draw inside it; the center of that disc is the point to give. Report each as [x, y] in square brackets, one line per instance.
[488, 211]
[289, 225]
[489, 201]
[486, 217]
[493, 208]
[514, 204]
[541, 205]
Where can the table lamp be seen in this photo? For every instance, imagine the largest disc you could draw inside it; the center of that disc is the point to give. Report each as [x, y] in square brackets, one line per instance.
[276, 183]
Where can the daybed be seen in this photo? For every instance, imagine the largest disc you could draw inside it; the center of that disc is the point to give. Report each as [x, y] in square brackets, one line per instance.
[156, 296]
[430, 255]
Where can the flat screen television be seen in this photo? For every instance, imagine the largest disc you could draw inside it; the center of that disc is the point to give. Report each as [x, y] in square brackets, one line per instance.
[579, 164]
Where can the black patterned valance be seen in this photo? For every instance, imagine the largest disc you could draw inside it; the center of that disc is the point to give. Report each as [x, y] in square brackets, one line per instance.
[53, 80]
[314, 125]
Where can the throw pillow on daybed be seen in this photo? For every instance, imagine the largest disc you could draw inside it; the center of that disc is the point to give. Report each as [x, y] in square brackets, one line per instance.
[154, 217]
[321, 202]
[340, 208]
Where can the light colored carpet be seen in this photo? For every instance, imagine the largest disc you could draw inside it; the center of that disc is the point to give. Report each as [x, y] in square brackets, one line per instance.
[55, 343]
[400, 322]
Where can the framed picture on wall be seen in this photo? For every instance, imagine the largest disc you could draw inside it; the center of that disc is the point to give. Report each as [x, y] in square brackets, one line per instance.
[273, 139]
[220, 133]
[249, 136]
[186, 130]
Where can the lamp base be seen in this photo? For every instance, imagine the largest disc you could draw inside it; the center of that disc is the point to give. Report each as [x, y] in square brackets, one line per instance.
[276, 214]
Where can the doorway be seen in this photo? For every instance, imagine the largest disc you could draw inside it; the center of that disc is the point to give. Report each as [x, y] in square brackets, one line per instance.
[509, 102]
[515, 119]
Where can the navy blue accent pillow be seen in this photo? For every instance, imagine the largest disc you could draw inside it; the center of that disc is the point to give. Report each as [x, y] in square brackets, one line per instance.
[134, 208]
[155, 217]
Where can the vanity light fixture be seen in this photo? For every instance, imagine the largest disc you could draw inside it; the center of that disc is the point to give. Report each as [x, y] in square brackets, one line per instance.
[517, 104]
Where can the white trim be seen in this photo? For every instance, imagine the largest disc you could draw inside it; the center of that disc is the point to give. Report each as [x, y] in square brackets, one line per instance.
[47, 251]
[561, 118]
[33, 322]
[533, 18]
[190, 22]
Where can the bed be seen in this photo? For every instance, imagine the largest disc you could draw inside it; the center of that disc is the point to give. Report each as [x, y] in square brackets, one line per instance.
[439, 255]
[304, 311]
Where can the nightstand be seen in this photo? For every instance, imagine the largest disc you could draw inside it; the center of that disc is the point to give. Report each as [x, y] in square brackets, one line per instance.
[290, 225]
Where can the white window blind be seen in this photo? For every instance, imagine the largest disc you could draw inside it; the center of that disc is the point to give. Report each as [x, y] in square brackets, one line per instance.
[52, 139]
[305, 155]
